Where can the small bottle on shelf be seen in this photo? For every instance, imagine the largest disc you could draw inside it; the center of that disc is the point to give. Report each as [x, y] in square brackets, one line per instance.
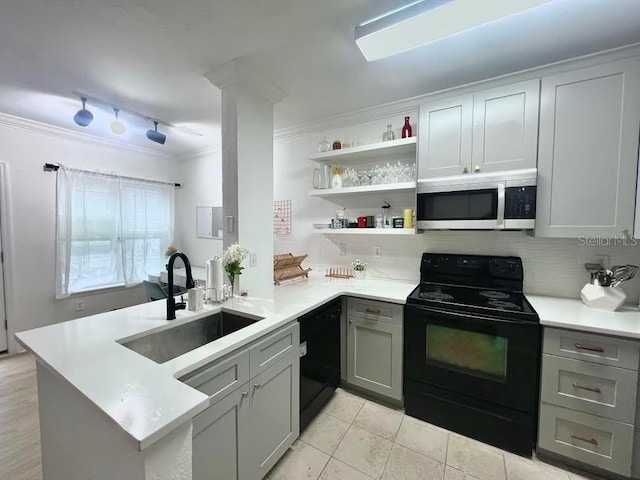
[388, 135]
[406, 128]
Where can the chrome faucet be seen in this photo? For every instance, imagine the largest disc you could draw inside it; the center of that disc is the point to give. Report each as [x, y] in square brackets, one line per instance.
[171, 302]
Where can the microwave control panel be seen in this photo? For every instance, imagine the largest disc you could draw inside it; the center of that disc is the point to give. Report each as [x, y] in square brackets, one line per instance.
[520, 202]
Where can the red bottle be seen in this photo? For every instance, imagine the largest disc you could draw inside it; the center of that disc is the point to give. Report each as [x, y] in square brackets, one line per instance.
[406, 128]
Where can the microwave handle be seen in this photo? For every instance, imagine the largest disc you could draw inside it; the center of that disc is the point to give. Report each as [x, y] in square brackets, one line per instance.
[501, 202]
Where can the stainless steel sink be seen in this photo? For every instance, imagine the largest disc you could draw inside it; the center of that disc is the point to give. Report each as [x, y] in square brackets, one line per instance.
[167, 344]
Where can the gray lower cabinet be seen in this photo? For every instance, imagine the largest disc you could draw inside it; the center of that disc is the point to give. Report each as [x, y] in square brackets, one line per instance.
[242, 435]
[588, 408]
[274, 414]
[374, 347]
[220, 438]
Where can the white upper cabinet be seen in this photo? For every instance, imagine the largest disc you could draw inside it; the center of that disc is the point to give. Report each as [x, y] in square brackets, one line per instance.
[505, 127]
[588, 151]
[487, 131]
[444, 142]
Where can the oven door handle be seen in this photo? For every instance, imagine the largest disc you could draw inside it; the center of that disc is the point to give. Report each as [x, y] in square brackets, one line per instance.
[501, 203]
[461, 315]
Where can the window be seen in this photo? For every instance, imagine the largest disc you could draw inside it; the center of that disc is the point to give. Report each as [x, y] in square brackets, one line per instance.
[111, 231]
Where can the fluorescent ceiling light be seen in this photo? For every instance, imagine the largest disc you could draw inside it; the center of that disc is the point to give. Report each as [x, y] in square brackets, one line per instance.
[426, 21]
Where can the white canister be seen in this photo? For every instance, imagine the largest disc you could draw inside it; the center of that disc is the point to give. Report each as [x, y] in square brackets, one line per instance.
[195, 299]
[602, 298]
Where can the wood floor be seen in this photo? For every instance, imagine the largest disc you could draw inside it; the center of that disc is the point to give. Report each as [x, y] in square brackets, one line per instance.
[19, 423]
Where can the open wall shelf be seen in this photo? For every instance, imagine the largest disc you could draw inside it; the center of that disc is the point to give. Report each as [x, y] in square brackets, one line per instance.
[367, 152]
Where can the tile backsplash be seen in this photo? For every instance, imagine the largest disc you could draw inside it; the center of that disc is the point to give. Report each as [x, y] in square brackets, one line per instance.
[551, 266]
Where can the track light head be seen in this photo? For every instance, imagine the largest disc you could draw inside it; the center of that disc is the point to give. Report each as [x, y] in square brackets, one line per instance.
[155, 136]
[117, 127]
[84, 117]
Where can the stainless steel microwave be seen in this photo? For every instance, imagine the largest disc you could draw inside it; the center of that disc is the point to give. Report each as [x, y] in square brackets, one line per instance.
[484, 201]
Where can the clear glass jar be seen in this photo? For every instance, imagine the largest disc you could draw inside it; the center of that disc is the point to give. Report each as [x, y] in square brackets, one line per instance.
[324, 145]
[388, 135]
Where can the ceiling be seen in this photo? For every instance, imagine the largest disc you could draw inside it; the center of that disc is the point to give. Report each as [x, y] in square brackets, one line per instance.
[151, 56]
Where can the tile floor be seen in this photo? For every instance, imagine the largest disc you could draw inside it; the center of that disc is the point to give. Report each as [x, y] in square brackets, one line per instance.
[357, 439]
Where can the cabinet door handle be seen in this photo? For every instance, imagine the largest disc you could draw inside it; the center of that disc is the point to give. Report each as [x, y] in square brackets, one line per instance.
[257, 386]
[373, 311]
[477, 168]
[584, 387]
[350, 321]
[245, 394]
[592, 441]
[465, 170]
[590, 349]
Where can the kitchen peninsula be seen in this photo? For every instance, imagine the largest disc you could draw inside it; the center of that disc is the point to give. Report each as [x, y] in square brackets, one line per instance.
[117, 414]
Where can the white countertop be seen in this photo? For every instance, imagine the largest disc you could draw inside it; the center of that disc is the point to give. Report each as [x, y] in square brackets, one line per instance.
[143, 397]
[574, 315]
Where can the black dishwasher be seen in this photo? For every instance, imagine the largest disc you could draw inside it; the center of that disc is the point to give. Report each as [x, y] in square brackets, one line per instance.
[319, 359]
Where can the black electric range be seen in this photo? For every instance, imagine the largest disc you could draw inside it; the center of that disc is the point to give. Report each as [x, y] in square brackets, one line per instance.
[472, 346]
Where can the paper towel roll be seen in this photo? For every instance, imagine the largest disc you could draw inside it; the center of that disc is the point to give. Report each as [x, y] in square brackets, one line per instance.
[215, 278]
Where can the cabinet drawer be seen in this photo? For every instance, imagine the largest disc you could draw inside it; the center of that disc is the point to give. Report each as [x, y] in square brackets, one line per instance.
[597, 441]
[589, 387]
[221, 378]
[373, 310]
[273, 348]
[606, 350]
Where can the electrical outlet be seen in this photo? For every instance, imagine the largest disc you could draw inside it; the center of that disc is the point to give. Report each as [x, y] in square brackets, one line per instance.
[377, 252]
[253, 260]
[604, 260]
[79, 305]
[343, 249]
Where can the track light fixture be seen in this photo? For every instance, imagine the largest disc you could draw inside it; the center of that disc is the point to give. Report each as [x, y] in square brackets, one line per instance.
[117, 127]
[84, 117]
[155, 136]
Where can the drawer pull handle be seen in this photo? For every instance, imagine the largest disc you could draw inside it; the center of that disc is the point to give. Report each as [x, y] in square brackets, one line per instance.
[584, 387]
[590, 349]
[245, 394]
[373, 311]
[257, 386]
[592, 441]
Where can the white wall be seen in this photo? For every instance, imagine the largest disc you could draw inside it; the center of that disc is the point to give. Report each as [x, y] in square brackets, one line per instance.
[30, 228]
[202, 186]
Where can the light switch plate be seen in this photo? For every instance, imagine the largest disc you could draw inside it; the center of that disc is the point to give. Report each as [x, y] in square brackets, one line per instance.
[253, 260]
[343, 249]
[377, 251]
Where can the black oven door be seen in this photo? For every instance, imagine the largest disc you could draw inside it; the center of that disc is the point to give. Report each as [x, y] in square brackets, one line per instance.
[488, 359]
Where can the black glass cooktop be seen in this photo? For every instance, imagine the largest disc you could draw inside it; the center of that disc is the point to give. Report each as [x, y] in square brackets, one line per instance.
[486, 301]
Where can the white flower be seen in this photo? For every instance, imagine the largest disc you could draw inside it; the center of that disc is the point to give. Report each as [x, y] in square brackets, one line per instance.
[234, 254]
[359, 266]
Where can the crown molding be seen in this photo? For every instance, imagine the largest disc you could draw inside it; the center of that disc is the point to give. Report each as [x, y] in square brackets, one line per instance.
[33, 126]
[200, 152]
[410, 105]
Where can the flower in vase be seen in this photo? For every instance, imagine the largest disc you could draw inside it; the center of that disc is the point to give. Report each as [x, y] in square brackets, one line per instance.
[359, 266]
[232, 258]
[170, 251]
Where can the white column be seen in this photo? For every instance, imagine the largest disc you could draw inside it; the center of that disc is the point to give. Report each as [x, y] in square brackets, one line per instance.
[247, 167]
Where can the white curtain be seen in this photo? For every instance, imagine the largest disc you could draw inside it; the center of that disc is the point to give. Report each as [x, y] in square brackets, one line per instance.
[109, 231]
[146, 213]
